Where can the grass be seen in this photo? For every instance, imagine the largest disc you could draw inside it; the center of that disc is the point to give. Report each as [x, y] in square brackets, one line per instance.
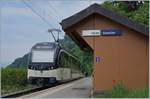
[13, 80]
[119, 91]
[13, 89]
[138, 93]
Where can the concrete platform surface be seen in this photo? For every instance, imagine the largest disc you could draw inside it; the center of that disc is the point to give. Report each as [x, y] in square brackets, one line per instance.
[77, 89]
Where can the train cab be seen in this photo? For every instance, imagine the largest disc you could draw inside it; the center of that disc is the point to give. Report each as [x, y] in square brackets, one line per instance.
[43, 62]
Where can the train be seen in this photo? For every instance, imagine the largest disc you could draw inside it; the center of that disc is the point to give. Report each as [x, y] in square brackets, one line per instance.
[49, 63]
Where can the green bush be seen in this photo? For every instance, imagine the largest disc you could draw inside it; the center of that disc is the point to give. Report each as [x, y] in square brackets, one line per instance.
[13, 79]
[119, 91]
[138, 93]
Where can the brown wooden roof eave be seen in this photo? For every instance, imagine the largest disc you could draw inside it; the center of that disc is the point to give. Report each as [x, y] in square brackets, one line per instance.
[80, 41]
[96, 8]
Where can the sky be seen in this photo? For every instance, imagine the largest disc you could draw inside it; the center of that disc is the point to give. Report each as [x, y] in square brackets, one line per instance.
[21, 28]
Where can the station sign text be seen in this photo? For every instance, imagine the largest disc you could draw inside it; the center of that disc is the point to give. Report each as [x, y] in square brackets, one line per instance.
[103, 32]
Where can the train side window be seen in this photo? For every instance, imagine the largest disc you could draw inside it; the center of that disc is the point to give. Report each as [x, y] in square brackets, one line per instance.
[69, 62]
[66, 60]
[63, 60]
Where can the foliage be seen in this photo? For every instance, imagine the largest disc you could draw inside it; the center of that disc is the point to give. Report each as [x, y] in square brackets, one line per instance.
[85, 57]
[140, 15]
[138, 93]
[119, 91]
[13, 79]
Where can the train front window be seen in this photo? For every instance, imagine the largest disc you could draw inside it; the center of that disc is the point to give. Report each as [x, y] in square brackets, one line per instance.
[43, 56]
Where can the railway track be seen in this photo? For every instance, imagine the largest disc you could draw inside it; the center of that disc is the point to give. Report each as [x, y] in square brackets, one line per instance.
[27, 91]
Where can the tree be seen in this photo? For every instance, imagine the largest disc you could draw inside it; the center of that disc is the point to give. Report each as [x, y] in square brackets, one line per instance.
[135, 10]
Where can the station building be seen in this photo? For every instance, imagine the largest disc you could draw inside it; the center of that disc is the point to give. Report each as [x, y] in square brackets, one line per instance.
[120, 46]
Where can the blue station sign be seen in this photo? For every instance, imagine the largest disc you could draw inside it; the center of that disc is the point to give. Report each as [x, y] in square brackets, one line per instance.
[103, 32]
[97, 59]
[111, 32]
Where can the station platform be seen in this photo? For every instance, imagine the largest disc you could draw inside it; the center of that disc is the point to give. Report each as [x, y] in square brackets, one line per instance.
[77, 89]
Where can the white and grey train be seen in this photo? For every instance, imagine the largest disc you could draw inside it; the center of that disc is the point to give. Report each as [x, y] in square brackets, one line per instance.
[49, 63]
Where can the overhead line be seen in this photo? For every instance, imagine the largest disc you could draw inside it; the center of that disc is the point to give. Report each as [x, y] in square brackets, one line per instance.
[57, 13]
[36, 13]
[39, 16]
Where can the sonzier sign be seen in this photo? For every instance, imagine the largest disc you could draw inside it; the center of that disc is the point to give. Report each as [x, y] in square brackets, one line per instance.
[104, 32]
[91, 32]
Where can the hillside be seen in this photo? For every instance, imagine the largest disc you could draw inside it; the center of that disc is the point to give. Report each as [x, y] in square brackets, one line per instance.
[20, 62]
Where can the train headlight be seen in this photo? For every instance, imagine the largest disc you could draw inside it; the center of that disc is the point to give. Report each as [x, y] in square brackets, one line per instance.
[52, 67]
